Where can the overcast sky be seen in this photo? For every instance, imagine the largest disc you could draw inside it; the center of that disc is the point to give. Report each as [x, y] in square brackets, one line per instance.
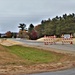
[13, 12]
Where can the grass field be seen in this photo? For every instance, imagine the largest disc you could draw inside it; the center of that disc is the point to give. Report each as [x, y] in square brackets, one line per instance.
[18, 59]
[27, 55]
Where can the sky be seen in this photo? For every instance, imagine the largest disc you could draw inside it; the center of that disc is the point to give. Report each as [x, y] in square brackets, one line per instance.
[14, 12]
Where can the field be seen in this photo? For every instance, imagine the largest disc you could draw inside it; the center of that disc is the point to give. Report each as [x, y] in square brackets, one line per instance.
[26, 55]
[20, 59]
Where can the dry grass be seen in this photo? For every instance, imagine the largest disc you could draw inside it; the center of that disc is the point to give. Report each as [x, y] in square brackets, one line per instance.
[7, 58]
[10, 63]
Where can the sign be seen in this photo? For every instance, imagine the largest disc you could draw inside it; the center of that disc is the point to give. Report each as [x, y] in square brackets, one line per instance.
[66, 35]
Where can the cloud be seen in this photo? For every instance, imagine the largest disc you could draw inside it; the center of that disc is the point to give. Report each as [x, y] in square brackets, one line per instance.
[13, 12]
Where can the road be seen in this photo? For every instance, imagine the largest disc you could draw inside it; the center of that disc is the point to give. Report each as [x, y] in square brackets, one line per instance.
[64, 72]
[68, 47]
[59, 46]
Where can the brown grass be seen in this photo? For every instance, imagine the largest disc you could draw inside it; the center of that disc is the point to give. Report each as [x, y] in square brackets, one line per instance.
[12, 64]
[7, 58]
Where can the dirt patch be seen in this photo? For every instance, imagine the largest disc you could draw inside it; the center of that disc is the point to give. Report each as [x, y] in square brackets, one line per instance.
[15, 70]
[9, 42]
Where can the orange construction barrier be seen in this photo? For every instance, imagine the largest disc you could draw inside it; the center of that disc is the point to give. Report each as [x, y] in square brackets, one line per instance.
[67, 40]
[49, 40]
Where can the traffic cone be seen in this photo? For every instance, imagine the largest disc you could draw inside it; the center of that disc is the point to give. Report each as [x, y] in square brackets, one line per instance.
[71, 42]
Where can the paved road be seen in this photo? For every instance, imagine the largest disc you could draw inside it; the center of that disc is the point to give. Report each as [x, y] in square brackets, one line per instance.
[59, 45]
[64, 72]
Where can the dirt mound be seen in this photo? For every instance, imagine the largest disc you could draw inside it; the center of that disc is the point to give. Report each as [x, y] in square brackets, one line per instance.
[42, 39]
[8, 42]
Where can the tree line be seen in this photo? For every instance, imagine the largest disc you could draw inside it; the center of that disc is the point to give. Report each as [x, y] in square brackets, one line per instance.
[58, 25]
